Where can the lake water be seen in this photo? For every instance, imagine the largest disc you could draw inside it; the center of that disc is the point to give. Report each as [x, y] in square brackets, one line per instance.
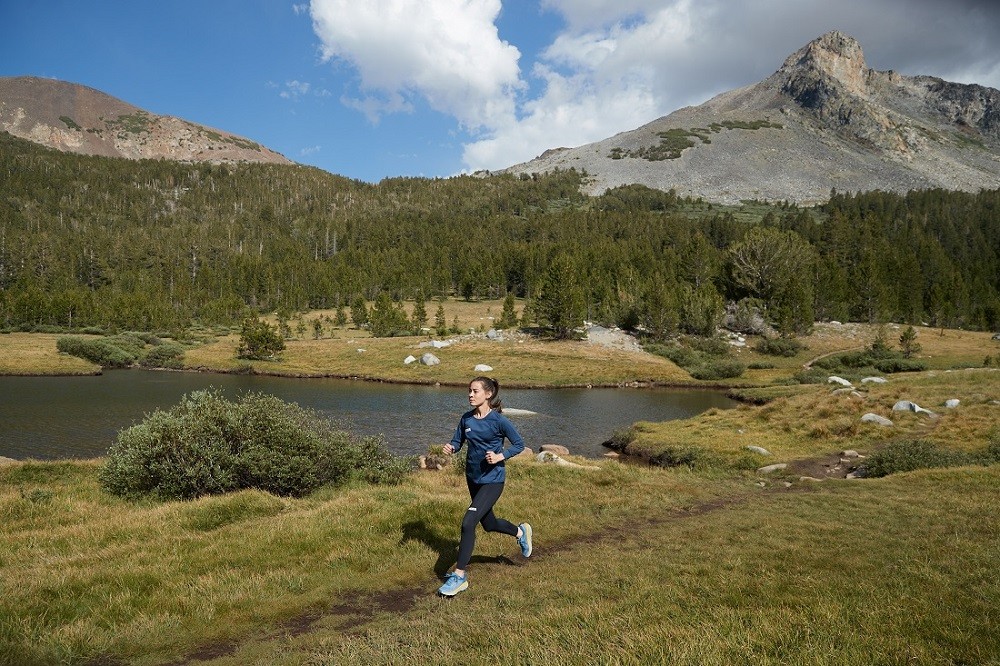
[79, 417]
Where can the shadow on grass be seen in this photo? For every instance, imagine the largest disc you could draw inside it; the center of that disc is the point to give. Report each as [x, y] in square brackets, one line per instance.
[445, 547]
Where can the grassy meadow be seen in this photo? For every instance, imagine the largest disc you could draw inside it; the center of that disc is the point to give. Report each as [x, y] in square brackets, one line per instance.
[708, 563]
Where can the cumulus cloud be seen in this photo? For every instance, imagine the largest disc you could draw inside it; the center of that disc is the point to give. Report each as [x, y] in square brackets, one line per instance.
[619, 64]
[615, 65]
[447, 52]
[310, 150]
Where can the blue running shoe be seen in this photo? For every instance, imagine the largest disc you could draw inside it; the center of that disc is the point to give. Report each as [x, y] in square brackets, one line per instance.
[453, 584]
[524, 541]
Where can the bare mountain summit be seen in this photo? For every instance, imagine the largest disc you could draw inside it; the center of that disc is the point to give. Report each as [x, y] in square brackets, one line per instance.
[823, 120]
[78, 119]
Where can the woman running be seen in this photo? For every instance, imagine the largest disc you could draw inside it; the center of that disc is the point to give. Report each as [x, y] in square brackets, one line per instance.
[484, 428]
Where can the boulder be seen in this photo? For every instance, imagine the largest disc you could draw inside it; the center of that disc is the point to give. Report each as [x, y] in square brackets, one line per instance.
[758, 449]
[833, 379]
[549, 457]
[908, 406]
[430, 359]
[557, 449]
[767, 469]
[482, 367]
[492, 334]
[409, 359]
[874, 380]
[850, 453]
[525, 453]
[439, 344]
[997, 336]
[875, 418]
[952, 403]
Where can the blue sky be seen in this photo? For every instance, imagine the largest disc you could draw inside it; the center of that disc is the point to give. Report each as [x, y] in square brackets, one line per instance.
[379, 88]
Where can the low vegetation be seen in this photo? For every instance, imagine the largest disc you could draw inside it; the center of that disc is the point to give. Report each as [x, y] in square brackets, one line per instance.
[208, 445]
[699, 541]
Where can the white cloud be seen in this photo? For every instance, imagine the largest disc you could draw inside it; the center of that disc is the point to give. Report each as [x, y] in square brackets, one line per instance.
[300, 9]
[446, 51]
[311, 150]
[618, 64]
[295, 89]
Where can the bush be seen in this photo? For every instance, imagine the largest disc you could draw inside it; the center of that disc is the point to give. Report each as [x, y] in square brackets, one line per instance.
[760, 366]
[786, 347]
[259, 340]
[909, 455]
[710, 346]
[899, 365]
[164, 356]
[103, 351]
[677, 456]
[208, 445]
[719, 369]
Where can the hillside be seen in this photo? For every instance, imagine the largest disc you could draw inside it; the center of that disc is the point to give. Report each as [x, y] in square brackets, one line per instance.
[823, 120]
[77, 119]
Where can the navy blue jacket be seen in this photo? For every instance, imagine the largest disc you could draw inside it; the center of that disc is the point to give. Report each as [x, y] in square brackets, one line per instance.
[482, 435]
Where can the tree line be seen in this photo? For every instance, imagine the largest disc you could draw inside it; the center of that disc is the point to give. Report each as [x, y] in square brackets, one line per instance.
[158, 245]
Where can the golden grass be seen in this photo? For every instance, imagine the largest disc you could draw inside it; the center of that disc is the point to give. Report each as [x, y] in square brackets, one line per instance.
[36, 354]
[516, 361]
[87, 575]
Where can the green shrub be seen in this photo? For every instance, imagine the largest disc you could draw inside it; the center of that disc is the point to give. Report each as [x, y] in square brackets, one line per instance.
[621, 438]
[760, 366]
[710, 346]
[909, 455]
[786, 347]
[259, 340]
[169, 356]
[900, 365]
[719, 369]
[103, 351]
[209, 445]
[678, 456]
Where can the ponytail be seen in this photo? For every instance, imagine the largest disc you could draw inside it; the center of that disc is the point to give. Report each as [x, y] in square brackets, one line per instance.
[492, 386]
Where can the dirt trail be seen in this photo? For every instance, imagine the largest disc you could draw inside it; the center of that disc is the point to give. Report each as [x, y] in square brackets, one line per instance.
[356, 610]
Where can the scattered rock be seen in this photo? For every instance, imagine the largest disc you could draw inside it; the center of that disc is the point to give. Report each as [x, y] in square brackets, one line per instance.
[996, 337]
[612, 454]
[908, 406]
[439, 344]
[952, 403]
[430, 359]
[809, 478]
[767, 469]
[875, 418]
[557, 449]
[482, 367]
[549, 457]
[850, 453]
[833, 379]
[874, 380]
[492, 334]
[7, 461]
[361, 351]
[409, 359]
[526, 453]
[758, 449]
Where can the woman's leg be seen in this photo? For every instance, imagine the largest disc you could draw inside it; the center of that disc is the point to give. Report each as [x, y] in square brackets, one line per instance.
[484, 496]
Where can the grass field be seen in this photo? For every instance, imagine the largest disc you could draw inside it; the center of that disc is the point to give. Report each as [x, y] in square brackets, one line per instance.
[712, 563]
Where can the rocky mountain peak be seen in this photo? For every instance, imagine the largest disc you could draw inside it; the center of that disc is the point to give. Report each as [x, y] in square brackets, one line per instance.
[829, 66]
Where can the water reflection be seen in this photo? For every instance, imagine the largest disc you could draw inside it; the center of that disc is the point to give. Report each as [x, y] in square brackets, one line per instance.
[79, 417]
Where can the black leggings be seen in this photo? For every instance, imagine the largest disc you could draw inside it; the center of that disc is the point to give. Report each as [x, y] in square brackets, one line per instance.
[484, 496]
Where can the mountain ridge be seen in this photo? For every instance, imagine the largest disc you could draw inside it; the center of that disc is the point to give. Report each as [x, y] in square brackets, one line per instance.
[824, 120]
[75, 118]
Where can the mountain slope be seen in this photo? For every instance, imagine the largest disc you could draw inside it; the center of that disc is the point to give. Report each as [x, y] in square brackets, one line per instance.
[823, 120]
[78, 119]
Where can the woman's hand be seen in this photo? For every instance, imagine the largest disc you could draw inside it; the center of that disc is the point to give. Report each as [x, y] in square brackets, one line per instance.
[448, 448]
[493, 458]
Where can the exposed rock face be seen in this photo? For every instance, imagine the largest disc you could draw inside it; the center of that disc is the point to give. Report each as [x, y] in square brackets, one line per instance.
[823, 120]
[78, 119]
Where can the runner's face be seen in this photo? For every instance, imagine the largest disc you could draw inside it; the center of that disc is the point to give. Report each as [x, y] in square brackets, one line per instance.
[477, 394]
